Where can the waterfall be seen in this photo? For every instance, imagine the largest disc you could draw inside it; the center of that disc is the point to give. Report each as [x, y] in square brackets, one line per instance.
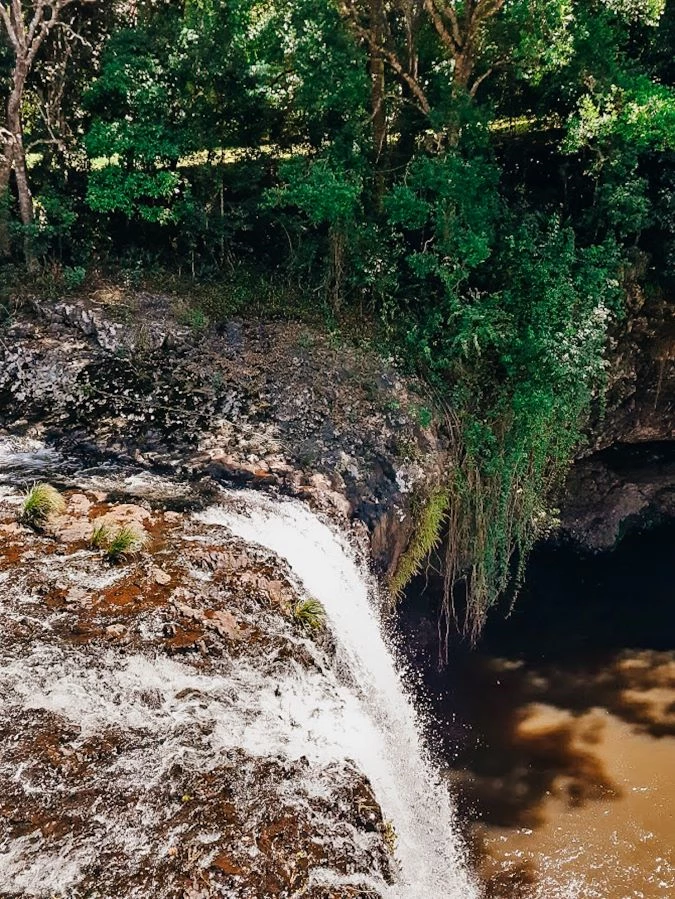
[197, 714]
[385, 741]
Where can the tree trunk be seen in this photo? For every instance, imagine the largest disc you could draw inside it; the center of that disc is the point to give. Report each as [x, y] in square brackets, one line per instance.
[26, 210]
[5, 169]
[377, 89]
[15, 127]
[377, 79]
[336, 265]
[23, 188]
[464, 65]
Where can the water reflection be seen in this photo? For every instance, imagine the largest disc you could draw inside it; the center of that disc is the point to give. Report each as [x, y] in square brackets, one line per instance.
[559, 731]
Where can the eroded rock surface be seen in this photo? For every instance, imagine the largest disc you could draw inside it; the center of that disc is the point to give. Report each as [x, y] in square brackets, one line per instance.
[166, 726]
[260, 403]
[625, 478]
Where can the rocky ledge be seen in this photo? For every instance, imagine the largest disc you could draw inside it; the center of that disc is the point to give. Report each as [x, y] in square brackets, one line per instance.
[624, 479]
[166, 717]
[262, 403]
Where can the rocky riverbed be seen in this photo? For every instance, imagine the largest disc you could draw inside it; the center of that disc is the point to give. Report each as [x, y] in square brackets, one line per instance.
[166, 723]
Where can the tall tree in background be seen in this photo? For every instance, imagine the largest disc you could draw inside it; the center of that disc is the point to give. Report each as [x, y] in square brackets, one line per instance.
[27, 26]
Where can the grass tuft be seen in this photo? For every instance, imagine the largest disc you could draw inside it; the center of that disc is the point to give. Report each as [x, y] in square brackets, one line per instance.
[389, 836]
[310, 613]
[40, 503]
[100, 536]
[127, 541]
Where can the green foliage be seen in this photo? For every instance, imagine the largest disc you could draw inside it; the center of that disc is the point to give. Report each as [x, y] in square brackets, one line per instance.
[521, 401]
[448, 206]
[442, 223]
[618, 124]
[40, 503]
[424, 416]
[309, 613]
[174, 86]
[74, 276]
[324, 192]
[638, 114]
[429, 514]
[100, 536]
[148, 196]
[128, 540]
[194, 318]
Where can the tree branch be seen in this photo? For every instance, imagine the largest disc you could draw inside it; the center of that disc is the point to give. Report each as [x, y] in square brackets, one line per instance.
[498, 64]
[446, 37]
[348, 11]
[9, 28]
[438, 13]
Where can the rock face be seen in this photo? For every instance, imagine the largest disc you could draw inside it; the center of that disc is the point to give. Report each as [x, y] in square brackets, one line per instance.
[624, 488]
[159, 717]
[168, 726]
[265, 403]
[626, 478]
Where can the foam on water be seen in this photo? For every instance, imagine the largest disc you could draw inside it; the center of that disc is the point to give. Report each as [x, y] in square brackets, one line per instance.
[298, 713]
[389, 749]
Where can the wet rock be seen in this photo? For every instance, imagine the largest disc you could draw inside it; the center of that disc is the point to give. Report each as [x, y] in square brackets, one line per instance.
[617, 491]
[272, 406]
[119, 718]
[623, 480]
[160, 576]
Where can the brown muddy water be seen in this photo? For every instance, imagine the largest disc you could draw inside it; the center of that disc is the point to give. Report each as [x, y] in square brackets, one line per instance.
[558, 731]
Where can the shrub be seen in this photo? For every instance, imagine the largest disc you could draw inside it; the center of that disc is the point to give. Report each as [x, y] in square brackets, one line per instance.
[74, 276]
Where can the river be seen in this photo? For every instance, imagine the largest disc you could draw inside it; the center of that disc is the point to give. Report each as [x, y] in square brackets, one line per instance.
[558, 732]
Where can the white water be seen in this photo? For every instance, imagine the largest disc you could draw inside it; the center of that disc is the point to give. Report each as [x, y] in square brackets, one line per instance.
[388, 747]
[25, 456]
[264, 709]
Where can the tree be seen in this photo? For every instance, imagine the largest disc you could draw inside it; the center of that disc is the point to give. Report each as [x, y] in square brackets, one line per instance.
[27, 26]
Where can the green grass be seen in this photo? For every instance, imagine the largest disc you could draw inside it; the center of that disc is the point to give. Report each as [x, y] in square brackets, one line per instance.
[126, 541]
[40, 503]
[99, 536]
[310, 613]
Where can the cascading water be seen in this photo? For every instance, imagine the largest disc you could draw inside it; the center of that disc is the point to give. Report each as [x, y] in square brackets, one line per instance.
[386, 742]
[194, 714]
